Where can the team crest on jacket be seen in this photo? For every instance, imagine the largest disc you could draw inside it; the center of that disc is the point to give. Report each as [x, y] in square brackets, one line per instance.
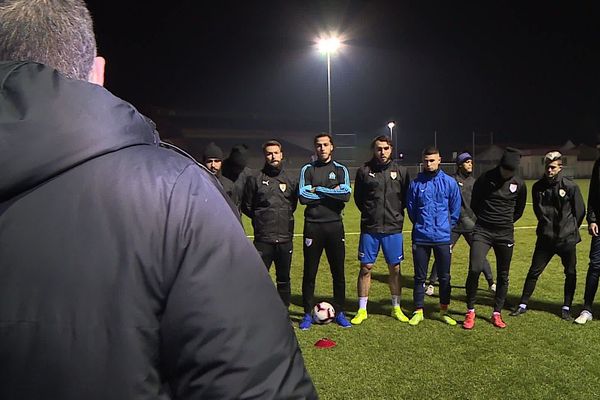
[332, 175]
[512, 187]
[393, 174]
[282, 187]
[562, 192]
[307, 242]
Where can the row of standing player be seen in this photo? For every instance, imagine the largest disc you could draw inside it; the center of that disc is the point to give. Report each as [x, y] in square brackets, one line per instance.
[442, 209]
[269, 198]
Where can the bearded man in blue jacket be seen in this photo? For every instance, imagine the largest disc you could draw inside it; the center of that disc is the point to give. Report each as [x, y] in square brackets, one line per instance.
[433, 206]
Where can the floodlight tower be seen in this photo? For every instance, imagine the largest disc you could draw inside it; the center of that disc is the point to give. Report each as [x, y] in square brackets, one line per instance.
[329, 46]
[391, 126]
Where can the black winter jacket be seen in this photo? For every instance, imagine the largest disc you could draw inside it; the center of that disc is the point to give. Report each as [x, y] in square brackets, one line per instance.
[380, 193]
[466, 221]
[498, 203]
[125, 273]
[270, 199]
[229, 189]
[593, 203]
[559, 208]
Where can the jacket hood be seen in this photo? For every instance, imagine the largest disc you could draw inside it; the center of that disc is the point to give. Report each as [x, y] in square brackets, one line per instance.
[49, 124]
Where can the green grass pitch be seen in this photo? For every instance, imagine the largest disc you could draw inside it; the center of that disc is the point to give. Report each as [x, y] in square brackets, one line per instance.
[538, 356]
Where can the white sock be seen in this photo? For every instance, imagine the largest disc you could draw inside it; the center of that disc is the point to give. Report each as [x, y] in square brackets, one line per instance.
[567, 308]
[395, 300]
[524, 306]
[362, 302]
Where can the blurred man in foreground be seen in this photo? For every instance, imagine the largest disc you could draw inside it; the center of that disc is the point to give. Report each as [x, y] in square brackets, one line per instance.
[114, 283]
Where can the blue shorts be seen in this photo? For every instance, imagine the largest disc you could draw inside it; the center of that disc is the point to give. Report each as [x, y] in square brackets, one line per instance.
[391, 243]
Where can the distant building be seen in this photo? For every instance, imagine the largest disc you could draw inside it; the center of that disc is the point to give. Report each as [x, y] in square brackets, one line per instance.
[577, 160]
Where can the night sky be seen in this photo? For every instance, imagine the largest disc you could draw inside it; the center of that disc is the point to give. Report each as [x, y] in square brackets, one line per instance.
[527, 71]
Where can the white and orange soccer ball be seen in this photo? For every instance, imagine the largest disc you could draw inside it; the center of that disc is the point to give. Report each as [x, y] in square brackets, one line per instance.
[323, 313]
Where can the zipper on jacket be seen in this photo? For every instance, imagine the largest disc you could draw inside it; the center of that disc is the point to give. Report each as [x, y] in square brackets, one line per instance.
[384, 198]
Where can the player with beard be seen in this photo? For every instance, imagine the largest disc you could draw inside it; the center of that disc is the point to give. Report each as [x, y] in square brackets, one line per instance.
[433, 205]
[498, 200]
[380, 190]
[559, 208]
[466, 222]
[269, 200]
[324, 187]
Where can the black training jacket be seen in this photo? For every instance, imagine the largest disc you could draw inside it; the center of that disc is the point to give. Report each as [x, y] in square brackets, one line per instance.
[229, 188]
[124, 272]
[324, 188]
[559, 208]
[496, 202]
[593, 203]
[270, 199]
[466, 221]
[380, 193]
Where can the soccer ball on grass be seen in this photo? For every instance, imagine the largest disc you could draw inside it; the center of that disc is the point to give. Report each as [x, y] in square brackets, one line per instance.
[323, 313]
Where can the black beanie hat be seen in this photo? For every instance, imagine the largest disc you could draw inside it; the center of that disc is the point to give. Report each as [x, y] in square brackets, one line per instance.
[212, 151]
[238, 155]
[510, 159]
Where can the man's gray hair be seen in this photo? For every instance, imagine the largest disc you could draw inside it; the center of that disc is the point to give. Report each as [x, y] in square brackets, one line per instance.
[58, 33]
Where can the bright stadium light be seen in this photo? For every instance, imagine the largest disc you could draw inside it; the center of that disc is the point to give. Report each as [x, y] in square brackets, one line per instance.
[391, 125]
[329, 46]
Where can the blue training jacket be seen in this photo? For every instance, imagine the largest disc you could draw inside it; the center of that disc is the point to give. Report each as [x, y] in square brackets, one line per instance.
[433, 205]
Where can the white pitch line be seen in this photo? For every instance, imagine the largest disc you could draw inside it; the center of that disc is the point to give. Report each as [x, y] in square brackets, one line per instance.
[358, 233]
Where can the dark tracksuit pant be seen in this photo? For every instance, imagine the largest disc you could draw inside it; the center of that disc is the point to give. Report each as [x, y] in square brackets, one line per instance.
[281, 255]
[328, 236]
[591, 280]
[454, 236]
[421, 255]
[542, 255]
[502, 241]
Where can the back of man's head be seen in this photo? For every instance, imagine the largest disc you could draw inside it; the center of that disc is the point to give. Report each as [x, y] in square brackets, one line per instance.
[58, 33]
